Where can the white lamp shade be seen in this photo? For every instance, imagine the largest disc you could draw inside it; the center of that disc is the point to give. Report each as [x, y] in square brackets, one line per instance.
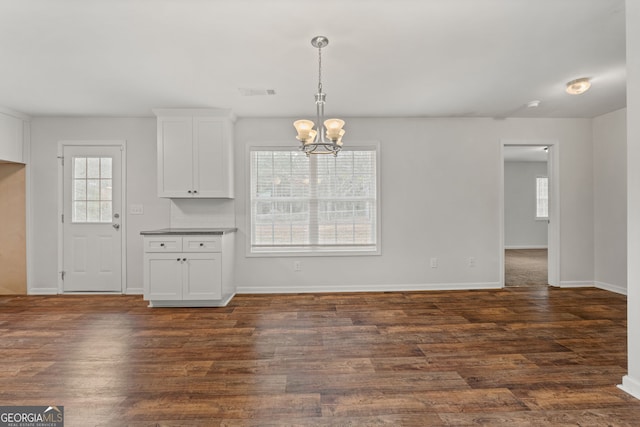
[311, 137]
[334, 128]
[304, 128]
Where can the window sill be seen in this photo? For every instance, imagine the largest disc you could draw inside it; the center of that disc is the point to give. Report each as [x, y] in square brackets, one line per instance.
[306, 252]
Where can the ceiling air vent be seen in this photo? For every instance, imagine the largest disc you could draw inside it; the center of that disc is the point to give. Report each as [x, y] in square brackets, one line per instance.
[256, 92]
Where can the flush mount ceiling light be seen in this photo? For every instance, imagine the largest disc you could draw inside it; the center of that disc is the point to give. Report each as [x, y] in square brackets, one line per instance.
[326, 139]
[578, 86]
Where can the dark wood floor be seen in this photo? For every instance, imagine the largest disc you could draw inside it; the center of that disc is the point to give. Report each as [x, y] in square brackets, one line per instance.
[520, 356]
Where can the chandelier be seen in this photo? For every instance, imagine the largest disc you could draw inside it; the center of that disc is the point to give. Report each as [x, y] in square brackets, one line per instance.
[326, 139]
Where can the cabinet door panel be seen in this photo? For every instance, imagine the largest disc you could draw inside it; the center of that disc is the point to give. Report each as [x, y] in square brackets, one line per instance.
[11, 133]
[175, 157]
[163, 280]
[211, 158]
[203, 277]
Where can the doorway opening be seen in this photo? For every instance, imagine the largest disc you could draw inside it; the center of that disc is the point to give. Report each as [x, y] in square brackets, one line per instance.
[13, 217]
[529, 209]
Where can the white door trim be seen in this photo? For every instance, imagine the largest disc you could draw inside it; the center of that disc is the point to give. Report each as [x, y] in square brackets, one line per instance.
[123, 222]
[553, 171]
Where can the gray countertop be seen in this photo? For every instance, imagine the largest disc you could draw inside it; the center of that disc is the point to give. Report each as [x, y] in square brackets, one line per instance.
[201, 231]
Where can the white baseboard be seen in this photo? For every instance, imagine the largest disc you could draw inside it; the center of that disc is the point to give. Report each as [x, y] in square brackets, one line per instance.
[600, 285]
[631, 386]
[43, 291]
[366, 288]
[577, 284]
[192, 303]
[526, 247]
[612, 288]
[54, 291]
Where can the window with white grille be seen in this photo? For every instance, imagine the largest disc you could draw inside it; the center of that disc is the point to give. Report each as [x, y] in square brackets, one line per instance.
[314, 204]
[92, 193]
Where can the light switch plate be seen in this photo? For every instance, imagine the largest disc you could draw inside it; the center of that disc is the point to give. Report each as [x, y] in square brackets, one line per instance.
[136, 209]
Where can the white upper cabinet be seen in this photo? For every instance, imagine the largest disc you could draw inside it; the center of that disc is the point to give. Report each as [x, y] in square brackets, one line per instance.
[11, 138]
[195, 153]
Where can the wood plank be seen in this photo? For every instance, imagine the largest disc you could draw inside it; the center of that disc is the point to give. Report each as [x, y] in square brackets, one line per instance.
[449, 358]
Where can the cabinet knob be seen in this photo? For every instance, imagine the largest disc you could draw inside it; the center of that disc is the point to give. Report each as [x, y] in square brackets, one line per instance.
[201, 244]
[162, 244]
[178, 259]
[189, 191]
[195, 191]
[184, 259]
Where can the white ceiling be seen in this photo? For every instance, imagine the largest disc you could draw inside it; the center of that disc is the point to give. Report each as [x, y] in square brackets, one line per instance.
[401, 58]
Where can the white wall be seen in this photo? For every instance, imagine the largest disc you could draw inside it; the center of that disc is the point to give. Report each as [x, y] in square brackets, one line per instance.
[440, 196]
[631, 382]
[610, 200]
[521, 229]
[140, 134]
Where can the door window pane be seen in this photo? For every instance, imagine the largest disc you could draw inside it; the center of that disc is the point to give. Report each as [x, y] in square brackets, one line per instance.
[105, 167]
[93, 167]
[105, 211]
[93, 189]
[93, 211]
[92, 192]
[80, 167]
[79, 212]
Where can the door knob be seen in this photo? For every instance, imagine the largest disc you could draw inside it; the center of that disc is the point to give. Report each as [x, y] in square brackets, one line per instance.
[116, 226]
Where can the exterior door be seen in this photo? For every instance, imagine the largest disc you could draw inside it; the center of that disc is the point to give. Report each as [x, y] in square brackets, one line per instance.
[92, 214]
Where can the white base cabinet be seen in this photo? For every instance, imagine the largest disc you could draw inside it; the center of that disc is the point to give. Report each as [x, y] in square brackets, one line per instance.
[188, 270]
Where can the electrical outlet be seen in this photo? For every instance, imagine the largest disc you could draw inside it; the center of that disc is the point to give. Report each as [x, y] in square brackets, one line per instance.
[297, 265]
[472, 262]
[434, 262]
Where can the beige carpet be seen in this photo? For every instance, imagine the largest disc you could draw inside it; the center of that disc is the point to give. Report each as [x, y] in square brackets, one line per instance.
[525, 267]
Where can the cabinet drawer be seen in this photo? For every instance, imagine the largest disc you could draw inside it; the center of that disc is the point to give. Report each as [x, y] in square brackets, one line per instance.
[202, 244]
[163, 244]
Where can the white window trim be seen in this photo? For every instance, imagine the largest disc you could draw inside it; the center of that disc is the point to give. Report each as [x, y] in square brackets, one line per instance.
[306, 251]
[541, 218]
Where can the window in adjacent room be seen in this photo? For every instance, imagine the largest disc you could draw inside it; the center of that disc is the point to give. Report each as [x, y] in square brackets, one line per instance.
[542, 197]
[316, 205]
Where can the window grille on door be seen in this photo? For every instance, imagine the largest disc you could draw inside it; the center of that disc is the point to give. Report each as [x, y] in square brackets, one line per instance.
[92, 192]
